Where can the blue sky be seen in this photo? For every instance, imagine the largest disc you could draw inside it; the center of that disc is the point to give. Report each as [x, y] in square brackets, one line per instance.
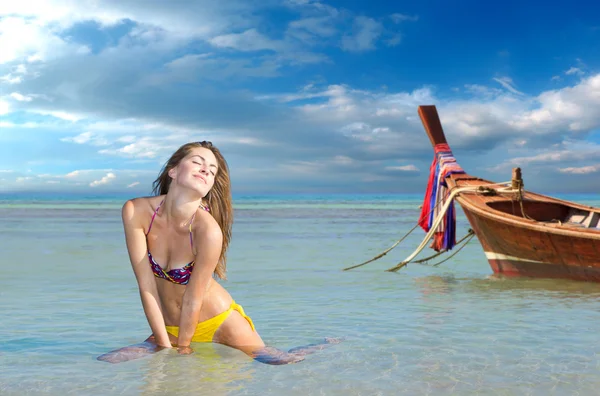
[300, 95]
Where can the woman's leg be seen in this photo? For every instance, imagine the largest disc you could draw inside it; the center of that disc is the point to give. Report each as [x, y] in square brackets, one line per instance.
[237, 333]
[131, 352]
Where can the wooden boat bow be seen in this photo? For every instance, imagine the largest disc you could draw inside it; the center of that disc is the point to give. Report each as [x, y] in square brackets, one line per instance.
[524, 233]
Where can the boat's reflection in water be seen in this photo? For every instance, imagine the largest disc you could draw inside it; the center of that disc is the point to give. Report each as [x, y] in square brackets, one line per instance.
[495, 285]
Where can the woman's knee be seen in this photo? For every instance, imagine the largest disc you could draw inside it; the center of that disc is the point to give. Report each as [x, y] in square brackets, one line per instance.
[237, 332]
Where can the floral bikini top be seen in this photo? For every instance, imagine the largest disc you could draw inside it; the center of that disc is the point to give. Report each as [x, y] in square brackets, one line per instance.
[180, 276]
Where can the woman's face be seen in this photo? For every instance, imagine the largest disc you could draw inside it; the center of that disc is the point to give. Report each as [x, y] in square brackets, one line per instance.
[197, 170]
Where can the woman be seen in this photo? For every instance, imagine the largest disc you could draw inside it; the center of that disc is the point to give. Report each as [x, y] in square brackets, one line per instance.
[177, 243]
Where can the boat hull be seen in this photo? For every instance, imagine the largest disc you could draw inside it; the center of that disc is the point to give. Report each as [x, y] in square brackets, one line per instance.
[522, 233]
[514, 250]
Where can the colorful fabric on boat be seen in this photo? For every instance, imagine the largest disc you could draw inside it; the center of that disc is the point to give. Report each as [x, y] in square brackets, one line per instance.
[443, 165]
[205, 331]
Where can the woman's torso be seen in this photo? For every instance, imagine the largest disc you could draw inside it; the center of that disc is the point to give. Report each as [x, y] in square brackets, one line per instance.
[171, 248]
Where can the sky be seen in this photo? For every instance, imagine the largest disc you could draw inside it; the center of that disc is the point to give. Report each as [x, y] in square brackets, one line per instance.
[301, 96]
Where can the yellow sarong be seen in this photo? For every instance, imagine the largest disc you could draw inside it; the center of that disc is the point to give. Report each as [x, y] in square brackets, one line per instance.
[205, 331]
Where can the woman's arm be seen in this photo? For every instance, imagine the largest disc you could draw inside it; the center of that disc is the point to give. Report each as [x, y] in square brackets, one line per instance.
[137, 248]
[208, 240]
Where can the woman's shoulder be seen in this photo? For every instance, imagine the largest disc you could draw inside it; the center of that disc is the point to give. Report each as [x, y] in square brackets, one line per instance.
[205, 225]
[135, 207]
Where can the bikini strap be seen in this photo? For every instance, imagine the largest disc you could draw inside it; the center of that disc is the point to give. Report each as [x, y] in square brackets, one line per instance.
[204, 207]
[154, 215]
[191, 237]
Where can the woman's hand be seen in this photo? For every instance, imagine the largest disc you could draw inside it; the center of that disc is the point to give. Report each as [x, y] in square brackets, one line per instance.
[152, 340]
[184, 350]
[172, 340]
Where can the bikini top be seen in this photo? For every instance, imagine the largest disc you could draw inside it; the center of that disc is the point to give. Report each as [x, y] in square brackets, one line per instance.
[180, 276]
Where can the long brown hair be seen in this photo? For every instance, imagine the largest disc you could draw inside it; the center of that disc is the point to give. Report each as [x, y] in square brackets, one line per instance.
[219, 197]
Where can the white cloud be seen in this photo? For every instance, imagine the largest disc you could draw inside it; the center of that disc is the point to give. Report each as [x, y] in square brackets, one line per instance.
[394, 40]
[249, 141]
[352, 106]
[566, 153]
[482, 90]
[582, 170]
[8, 124]
[131, 125]
[403, 168]
[79, 180]
[105, 180]
[388, 112]
[87, 137]
[195, 19]
[300, 167]
[23, 179]
[41, 27]
[147, 147]
[79, 139]
[363, 131]
[312, 27]
[308, 92]
[75, 173]
[126, 139]
[4, 107]
[21, 98]
[567, 109]
[382, 123]
[250, 40]
[507, 83]
[343, 160]
[398, 18]
[144, 149]
[574, 70]
[362, 125]
[366, 32]
[35, 41]
[11, 79]
[316, 166]
[63, 115]
[158, 31]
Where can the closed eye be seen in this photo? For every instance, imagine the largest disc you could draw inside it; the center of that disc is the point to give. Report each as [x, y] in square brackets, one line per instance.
[198, 163]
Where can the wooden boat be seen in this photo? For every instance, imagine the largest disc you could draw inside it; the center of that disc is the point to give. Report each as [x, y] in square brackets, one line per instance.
[523, 233]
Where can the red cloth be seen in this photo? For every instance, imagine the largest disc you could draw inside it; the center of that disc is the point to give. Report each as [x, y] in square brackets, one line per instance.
[426, 207]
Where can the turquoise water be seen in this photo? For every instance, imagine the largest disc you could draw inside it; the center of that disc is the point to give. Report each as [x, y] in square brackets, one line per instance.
[67, 295]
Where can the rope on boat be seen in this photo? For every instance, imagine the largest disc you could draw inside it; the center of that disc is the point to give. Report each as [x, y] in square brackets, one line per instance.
[434, 226]
[483, 189]
[380, 255]
[384, 252]
[425, 260]
[519, 186]
[470, 236]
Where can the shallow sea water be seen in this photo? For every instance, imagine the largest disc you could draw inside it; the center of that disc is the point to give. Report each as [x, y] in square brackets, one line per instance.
[67, 295]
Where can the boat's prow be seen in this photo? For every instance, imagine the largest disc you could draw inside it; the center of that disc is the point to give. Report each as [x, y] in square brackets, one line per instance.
[433, 126]
[522, 233]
